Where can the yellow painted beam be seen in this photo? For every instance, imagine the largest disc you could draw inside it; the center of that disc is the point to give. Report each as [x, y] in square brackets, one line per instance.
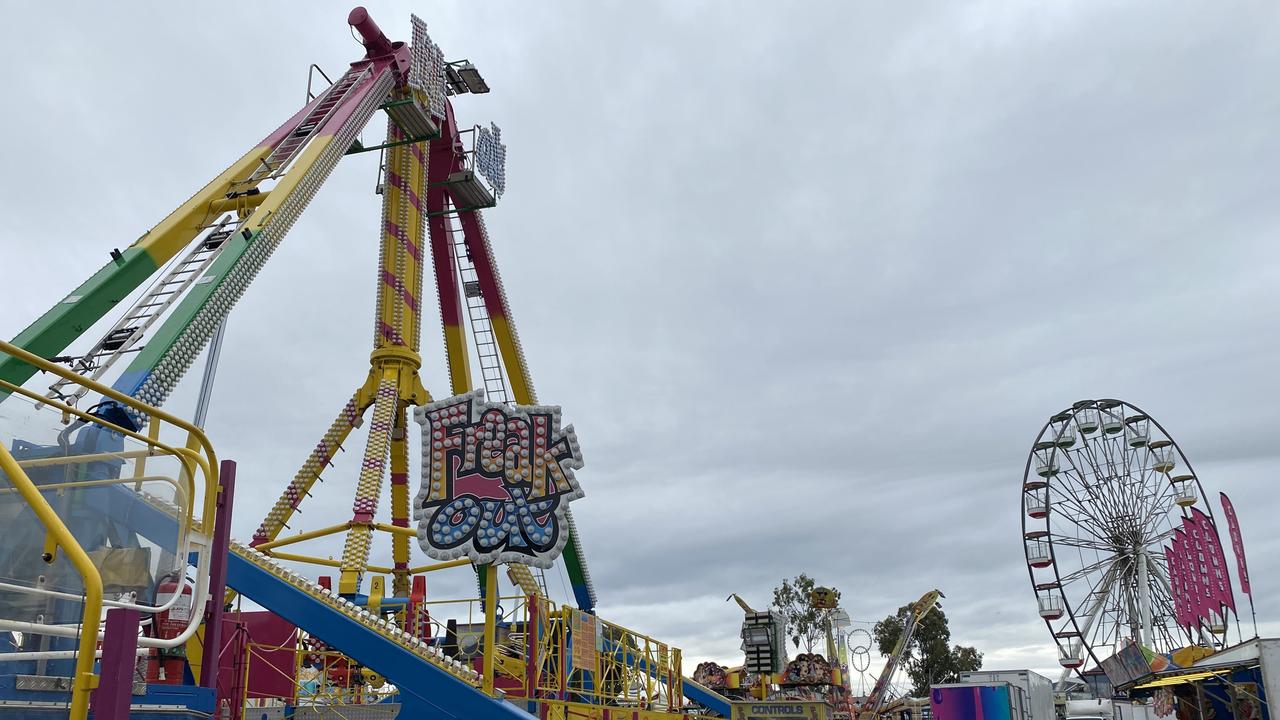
[355, 552]
[307, 559]
[440, 566]
[455, 341]
[490, 625]
[241, 205]
[310, 535]
[89, 457]
[325, 562]
[309, 473]
[400, 503]
[182, 225]
[517, 374]
[400, 531]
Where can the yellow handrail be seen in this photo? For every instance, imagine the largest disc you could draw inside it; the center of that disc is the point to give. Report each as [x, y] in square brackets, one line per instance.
[198, 454]
[193, 432]
[85, 680]
[92, 457]
[186, 456]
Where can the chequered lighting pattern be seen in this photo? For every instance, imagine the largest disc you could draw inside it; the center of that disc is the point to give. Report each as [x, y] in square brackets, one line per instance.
[426, 68]
[491, 158]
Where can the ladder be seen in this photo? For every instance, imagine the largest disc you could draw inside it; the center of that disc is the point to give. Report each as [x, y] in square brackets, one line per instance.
[123, 337]
[491, 371]
[482, 337]
[284, 153]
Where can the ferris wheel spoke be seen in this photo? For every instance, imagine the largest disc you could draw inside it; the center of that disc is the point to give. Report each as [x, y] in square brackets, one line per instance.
[1076, 476]
[1089, 459]
[1083, 543]
[1078, 528]
[1159, 571]
[1086, 570]
[1097, 597]
[1143, 501]
[1103, 470]
[1080, 520]
[1164, 591]
[1154, 538]
[1118, 480]
[1160, 511]
[1066, 491]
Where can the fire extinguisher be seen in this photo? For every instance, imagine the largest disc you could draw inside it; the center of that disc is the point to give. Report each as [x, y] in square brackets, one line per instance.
[165, 665]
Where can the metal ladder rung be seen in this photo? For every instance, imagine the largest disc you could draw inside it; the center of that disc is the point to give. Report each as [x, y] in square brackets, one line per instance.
[482, 336]
[125, 336]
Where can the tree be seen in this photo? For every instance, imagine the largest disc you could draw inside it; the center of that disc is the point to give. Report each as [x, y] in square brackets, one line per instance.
[929, 658]
[806, 624]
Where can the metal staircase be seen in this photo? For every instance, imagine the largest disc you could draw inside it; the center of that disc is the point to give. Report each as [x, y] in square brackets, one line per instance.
[434, 683]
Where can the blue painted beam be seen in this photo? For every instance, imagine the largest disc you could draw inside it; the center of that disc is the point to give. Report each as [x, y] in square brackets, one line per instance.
[431, 688]
[707, 697]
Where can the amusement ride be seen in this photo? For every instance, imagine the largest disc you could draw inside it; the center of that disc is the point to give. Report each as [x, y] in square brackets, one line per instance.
[121, 588]
[1107, 497]
[119, 506]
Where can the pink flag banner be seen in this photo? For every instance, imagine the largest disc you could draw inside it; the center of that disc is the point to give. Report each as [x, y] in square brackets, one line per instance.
[1179, 585]
[1190, 602]
[1216, 560]
[1197, 570]
[1191, 594]
[1174, 568]
[1237, 542]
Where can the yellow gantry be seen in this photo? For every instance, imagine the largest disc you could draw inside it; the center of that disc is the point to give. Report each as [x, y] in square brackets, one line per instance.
[391, 387]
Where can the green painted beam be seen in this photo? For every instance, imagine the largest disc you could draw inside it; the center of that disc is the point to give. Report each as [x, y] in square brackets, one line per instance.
[162, 339]
[54, 331]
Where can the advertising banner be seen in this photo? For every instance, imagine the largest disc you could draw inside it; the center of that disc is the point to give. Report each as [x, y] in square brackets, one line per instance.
[583, 627]
[1215, 561]
[1237, 542]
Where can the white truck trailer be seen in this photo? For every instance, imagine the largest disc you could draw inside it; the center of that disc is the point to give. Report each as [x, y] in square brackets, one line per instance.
[1091, 709]
[1036, 690]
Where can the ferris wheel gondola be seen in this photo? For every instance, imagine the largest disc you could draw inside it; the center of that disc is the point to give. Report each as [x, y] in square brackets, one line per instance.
[1104, 490]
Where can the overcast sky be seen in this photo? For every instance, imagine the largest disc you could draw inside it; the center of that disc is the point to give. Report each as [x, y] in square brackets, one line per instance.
[807, 278]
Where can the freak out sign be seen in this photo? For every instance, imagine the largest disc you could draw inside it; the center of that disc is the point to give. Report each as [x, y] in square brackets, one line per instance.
[496, 481]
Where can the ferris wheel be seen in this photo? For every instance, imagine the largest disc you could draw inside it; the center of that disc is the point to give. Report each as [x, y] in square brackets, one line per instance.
[1104, 489]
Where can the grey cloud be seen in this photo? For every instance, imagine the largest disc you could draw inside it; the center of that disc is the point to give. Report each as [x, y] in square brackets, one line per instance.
[807, 281]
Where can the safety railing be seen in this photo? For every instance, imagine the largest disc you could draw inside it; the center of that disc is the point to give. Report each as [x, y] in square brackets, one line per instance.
[371, 620]
[580, 658]
[331, 678]
[96, 515]
[456, 627]
[557, 655]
